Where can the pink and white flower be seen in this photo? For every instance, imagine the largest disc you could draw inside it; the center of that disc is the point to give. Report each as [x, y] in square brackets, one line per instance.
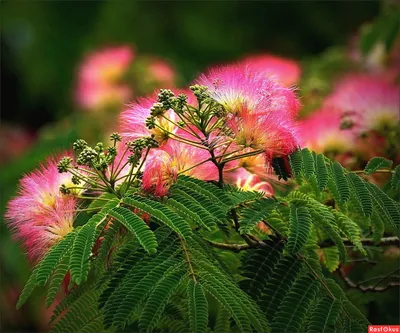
[164, 165]
[240, 89]
[40, 215]
[368, 102]
[283, 70]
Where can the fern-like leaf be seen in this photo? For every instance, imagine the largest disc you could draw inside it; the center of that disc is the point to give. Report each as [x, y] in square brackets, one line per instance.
[377, 163]
[157, 300]
[258, 266]
[198, 307]
[386, 207]
[137, 226]
[300, 225]
[341, 182]
[53, 257]
[82, 249]
[330, 258]
[308, 162]
[283, 276]
[161, 213]
[257, 211]
[324, 316]
[295, 305]
[361, 193]
[28, 289]
[321, 172]
[395, 181]
[56, 281]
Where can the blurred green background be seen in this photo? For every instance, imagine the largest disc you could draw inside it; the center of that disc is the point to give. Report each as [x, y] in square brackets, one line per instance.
[43, 42]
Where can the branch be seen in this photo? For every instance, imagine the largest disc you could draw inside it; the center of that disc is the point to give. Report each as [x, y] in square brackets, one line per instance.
[230, 247]
[351, 284]
[365, 242]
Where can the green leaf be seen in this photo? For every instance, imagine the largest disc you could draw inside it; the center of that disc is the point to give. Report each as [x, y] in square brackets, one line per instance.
[330, 258]
[198, 307]
[308, 161]
[28, 289]
[321, 172]
[377, 163]
[137, 226]
[161, 213]
[300, 226]
[56, 281]
[53, 257]
[340, 182]
[395, 181]
[361, 193]
[256, 212]
[295, 305]
[159, 297]
[296, 163]
[99, 202]
[82, 249]
[324, 316]
[284, 275]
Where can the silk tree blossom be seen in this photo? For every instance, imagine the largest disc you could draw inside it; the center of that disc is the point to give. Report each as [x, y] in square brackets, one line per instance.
[283, 70]
[132, 121]
[239, 89]
[271, 133]
[250, 182]
[367, 103]
[321, 132]
[40, 215]
[164, 165]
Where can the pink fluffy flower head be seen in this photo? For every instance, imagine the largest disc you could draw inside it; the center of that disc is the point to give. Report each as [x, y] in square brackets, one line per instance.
[322, 132]
[240, 89]
[40, 215]
[163, 167]
[368, 102]
[273, 133]
[286, 71]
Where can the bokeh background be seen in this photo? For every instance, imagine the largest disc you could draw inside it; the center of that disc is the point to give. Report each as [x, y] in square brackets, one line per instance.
[43, 44]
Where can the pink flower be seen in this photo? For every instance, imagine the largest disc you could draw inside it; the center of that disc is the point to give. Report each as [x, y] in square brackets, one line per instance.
[250, 182]
[368, 102]
[98, 78]
[93, 96]
[239, 89]
[152, 72]
[272, 133]
[40, 215]
[163, 167]
[321, 132]
[286, 71]
[107, 65]
[132, 121]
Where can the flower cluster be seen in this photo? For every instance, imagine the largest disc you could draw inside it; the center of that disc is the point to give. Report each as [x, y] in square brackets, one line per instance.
[229, 127]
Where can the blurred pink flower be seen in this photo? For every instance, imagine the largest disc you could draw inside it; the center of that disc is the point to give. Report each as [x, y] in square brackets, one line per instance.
[99, 76]
[366, 102]
[164, 165]
[40, 215]
[161, 72]
[250, 182]
[240, 89]
[286, 71]
[14, 141]
[93, 96]
[321, 132]
[106, 65]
